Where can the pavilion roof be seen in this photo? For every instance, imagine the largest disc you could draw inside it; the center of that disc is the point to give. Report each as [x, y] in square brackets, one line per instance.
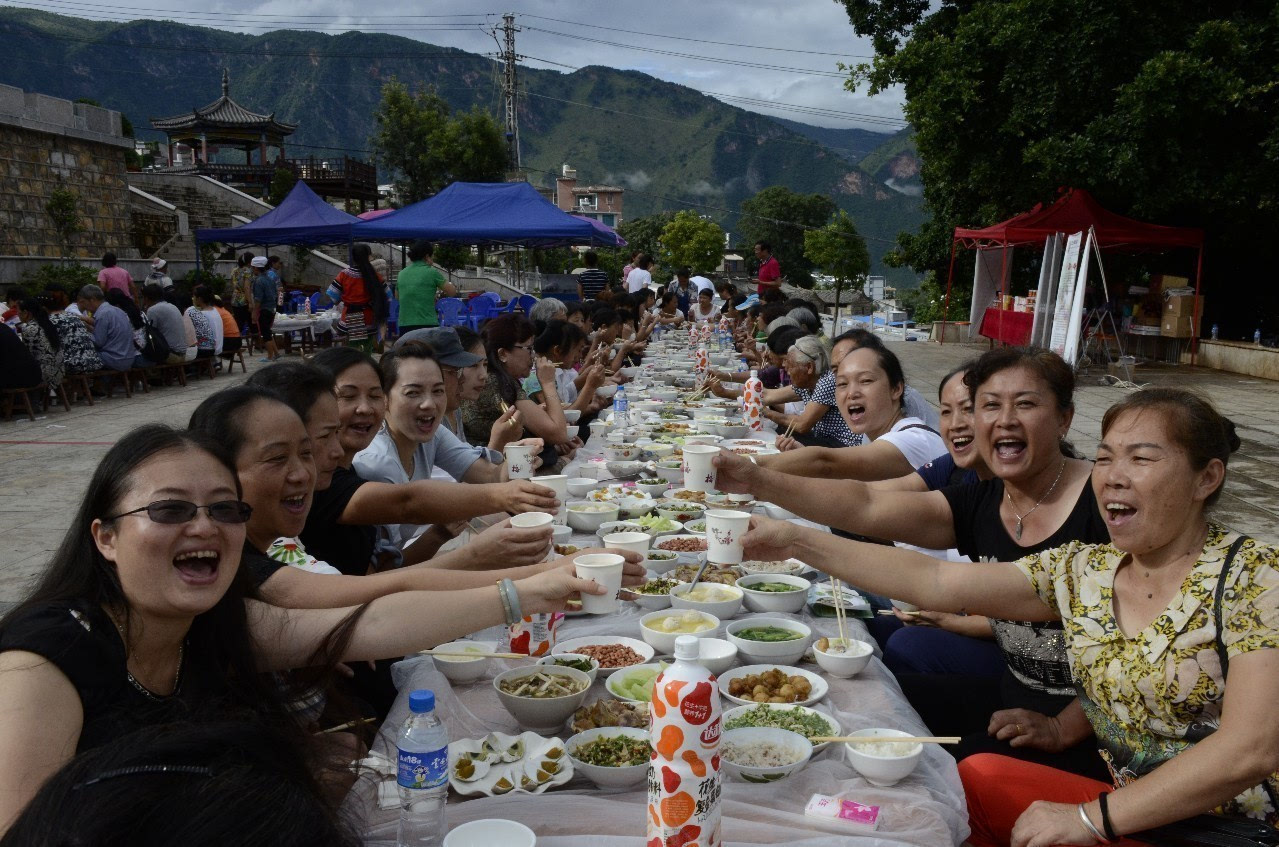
[223, 114]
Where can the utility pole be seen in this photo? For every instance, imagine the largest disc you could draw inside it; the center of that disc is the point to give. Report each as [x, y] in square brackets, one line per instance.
[508, 93]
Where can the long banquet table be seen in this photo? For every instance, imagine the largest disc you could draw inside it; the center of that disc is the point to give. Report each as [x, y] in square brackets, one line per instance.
[925, 809]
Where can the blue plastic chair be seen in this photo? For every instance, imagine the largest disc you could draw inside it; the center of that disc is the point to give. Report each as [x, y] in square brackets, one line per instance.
[480, 309]
[393, 317]
[527, 302]
[449, 310]
[315, 301]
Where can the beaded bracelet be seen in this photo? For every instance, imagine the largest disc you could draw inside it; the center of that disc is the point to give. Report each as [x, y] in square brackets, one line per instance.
[1105, 816]
[1096, 833]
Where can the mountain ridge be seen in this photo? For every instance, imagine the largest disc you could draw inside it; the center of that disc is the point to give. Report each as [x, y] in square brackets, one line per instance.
[671, 146]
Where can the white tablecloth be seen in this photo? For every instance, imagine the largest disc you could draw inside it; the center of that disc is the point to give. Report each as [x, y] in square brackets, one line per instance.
[925, 809]
[320, 322]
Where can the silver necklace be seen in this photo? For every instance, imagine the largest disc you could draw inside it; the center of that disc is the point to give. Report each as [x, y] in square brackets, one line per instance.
[1047, 494]
[142, 689]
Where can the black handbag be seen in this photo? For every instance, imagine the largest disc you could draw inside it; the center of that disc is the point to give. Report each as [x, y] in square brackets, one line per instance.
[1215, 830]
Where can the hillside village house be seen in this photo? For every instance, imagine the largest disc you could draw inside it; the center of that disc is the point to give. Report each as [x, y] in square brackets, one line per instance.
[600, 202]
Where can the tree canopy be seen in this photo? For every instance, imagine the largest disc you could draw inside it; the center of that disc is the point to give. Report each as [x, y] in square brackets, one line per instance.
[1168, 114]
[780, 217]
[839, 250]
[689, 239]
[426, 148]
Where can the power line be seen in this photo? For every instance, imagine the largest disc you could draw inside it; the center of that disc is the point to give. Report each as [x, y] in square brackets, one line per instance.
[222, 16]
[701, 40]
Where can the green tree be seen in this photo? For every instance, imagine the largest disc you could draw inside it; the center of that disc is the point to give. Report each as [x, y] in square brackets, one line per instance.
[645, 235]
[282, 182]
[63, 209]
[780, 217]
[426, 148]
[1171, 116]
[689, 239]
[839, 250]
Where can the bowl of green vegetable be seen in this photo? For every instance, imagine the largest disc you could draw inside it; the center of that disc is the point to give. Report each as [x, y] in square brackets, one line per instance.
[774, 592]
[656, 525]
[809, 723]
[654, 594]
[611, 756]
[634, 684]
[653, 486]
[586, 664]
[671, 470]
[766, 639]
[661, 561]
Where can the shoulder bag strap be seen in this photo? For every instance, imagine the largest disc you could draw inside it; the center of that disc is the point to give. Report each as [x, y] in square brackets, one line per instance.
[1216, 603]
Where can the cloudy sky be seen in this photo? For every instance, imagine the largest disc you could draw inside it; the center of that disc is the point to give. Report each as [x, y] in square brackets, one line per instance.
[776, 58]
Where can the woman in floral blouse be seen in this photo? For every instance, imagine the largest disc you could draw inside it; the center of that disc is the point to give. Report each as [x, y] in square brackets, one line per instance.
[42, 339]
[1150, 636]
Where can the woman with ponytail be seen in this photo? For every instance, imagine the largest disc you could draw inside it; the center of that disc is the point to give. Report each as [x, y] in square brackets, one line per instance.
[364, 300]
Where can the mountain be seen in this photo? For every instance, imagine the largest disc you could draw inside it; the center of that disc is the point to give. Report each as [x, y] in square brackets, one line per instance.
[852, 144]
[669, 145]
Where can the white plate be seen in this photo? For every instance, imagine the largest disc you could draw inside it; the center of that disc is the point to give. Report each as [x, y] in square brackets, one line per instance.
[642, 648]
[534, 749]
[799, 569]
[820, 688]
[824, 594]
[835, 728]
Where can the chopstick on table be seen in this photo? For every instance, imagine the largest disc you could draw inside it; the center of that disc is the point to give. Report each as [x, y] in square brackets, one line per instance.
[876, 739]
[347, 725]
[895, 611]
[473, 655]
[839, 612]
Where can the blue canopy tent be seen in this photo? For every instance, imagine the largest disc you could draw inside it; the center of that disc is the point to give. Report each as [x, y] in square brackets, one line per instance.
[508, 213]
[301, 218]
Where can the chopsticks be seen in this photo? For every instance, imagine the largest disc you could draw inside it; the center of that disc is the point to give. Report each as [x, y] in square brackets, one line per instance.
[790, 428]
[895, 611]
[347, 725]
[839, 611]
[472, 655]
[877, 739]
[513, 420]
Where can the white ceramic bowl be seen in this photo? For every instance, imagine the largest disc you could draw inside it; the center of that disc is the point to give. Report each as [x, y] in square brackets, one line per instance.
[685, 558]
[610, 527]
[833, 728]
[847, 664]
[681, 510]
[716, 655]
[485, 833]
[606, 391]
[661, 566]
[589, 521]
[781, 652]
[653, 489]
[644, 651]
[800, 748]
[671, 471]
[819, 686]
[634, 507]
[622, 452]
[661, 451]
[630, 776]
[777, 513]
[791, 602]
[722, 609]
[652, 602]
[629, 372]
[623, 468]
[542, 715]
[572, 415]
[665, 641]
[551, 660]
[883, 770]
[620, 677]
[666, 395]
[561, 534]
[459, 670]
[728, 429]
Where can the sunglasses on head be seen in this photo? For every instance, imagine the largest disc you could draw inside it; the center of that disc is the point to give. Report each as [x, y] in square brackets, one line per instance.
[182, 511]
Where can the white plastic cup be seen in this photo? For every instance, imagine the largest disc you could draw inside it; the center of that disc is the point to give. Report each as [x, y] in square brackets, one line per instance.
[700, 439]
[532, 520]
[559, 484]
[605, 569]
[483, 833]
[699, 473]
[635, 542]
[724, 531]
[571, 431]
[519, 461]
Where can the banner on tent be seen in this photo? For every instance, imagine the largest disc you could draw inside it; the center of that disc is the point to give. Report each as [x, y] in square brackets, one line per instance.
[1065, 295]
[990, 277]
[1045, 299]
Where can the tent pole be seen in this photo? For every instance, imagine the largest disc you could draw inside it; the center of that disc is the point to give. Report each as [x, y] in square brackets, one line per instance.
[945, 315]
[1003, 274]
[1194, 339]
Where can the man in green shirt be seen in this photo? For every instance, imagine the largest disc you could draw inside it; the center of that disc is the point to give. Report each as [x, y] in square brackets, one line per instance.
[419, 285]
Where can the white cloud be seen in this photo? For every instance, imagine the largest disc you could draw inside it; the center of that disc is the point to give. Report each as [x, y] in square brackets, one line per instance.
[637, 180]
[803, 29]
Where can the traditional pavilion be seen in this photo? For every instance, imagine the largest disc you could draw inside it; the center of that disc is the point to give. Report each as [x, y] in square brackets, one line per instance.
[225, 123]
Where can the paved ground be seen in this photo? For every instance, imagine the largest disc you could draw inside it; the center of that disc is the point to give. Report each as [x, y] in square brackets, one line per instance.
[44, 465]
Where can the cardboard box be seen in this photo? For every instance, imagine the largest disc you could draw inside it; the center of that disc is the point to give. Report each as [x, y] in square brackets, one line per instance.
[1183, 306]
[1162, 282]
[1179, 327]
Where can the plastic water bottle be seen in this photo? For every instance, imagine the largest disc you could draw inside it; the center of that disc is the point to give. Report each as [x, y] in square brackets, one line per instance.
[621, 408]
[1214, 332]
[422, 773]
[1256, 337]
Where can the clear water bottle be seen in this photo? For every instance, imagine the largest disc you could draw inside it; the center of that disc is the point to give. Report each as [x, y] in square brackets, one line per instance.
[1214, 332]
[621, 408]
[1256, 337]
[422, 773]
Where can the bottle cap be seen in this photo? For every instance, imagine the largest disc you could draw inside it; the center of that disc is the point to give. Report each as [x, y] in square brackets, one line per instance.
[688, 648]
[422, 701]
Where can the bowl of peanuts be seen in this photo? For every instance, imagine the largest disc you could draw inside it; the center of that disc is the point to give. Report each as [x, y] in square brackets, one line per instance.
[613, 652]
[689, 549]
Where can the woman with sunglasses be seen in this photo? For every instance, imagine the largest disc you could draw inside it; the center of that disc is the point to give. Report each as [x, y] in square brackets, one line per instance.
[145, 616]
[508, 340]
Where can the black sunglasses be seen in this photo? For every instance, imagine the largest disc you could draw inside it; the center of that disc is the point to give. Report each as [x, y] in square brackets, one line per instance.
[182, 511]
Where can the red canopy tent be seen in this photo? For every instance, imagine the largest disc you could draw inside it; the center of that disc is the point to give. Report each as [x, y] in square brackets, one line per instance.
[1075, 211]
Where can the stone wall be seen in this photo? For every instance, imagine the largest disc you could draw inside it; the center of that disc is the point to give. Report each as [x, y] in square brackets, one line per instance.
[48, 143]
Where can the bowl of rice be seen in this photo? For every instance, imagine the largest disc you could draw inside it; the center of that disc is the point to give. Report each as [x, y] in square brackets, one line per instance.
[886, 762]
[763, 753]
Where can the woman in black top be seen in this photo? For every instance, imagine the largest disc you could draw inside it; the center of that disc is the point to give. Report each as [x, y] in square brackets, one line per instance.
[144, 615]
[1039, 498]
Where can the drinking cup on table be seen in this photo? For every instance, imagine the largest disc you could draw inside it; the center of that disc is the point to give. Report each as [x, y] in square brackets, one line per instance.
[636, 542]
[605, 569]
[724, 531]
[535, 520]
[699, 473]
[519, 461]
[559, 484]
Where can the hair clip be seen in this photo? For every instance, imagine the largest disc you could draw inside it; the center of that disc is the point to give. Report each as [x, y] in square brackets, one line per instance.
[197, 770]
